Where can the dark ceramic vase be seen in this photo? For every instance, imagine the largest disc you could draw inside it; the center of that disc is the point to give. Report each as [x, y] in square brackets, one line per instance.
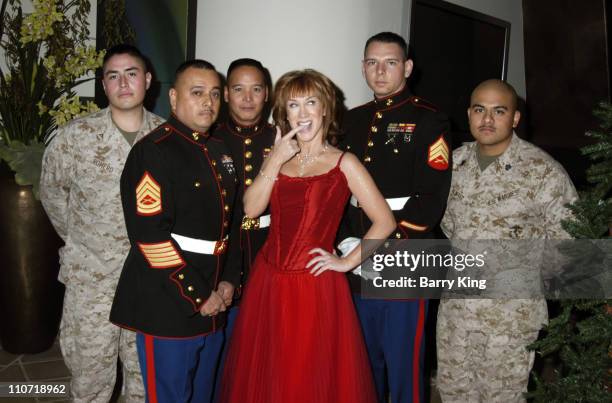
[30, 295]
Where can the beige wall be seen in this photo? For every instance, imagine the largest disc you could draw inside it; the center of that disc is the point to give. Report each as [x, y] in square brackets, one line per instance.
[286, 35]
[325, 35]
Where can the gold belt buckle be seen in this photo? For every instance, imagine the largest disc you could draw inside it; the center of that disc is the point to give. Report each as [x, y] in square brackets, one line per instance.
[249, 223]
[220, 247]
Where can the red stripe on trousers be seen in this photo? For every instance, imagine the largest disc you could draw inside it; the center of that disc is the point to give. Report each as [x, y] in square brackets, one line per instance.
[416, 376]
[151, 389]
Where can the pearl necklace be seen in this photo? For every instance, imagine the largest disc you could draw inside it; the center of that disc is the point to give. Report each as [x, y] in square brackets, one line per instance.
[304, 161]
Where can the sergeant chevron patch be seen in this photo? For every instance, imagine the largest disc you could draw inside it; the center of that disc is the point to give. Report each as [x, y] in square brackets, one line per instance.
[161, 255]
[148, 196]
[438, 155]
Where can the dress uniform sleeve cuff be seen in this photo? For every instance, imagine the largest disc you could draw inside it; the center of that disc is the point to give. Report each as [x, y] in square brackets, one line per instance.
[192, 289]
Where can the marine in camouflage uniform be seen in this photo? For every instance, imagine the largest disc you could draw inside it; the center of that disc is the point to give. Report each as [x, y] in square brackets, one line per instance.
[520, 195]
[80, 192]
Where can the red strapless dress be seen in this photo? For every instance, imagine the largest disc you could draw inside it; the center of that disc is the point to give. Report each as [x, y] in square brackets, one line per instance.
[297, 337]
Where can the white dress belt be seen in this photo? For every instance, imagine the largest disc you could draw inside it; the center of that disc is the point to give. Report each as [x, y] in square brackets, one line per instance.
[255, 223]
[200, 245]
[264, 221]
[345, 247]
[395, 203]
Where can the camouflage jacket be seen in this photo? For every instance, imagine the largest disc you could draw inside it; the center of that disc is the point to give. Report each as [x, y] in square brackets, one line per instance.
[79, 189]
[520, 196]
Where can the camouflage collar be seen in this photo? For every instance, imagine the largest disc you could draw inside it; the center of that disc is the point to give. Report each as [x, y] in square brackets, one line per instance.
[512, 153]
[506, 159]
[146, 125]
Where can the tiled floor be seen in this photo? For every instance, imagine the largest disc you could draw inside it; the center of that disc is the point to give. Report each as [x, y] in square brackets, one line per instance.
[46, 366]
[49, 366]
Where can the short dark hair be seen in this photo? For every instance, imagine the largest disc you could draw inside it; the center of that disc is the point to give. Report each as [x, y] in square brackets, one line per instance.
[125, 49]
[389, 37]
[245, 62]
[196, 64]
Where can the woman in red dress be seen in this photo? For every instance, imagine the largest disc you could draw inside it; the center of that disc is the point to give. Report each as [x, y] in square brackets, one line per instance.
[297, 336]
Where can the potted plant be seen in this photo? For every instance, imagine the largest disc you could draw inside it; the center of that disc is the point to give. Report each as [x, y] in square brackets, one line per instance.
[46, 56]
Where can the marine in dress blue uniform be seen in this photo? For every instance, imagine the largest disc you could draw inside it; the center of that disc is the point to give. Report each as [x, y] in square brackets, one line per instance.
[248, 146]
[404, 143]
[250, 139]
[177, 190]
